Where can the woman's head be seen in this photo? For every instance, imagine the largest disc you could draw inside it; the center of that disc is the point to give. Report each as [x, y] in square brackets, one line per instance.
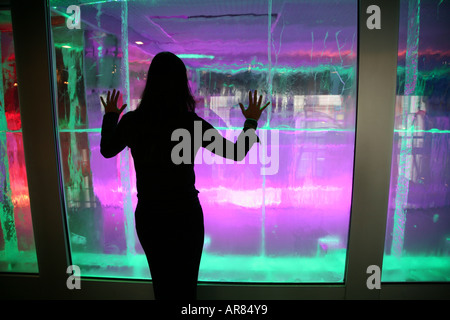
[167, 88]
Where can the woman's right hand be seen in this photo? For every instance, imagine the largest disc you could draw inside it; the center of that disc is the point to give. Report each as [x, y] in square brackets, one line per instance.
[111, 102]
[254, 109]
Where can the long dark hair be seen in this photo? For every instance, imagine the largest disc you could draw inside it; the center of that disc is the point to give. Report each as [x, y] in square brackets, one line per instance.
[167, 90]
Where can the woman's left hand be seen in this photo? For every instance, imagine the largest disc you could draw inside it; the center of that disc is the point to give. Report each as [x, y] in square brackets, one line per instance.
[254, 109]
[111, 102]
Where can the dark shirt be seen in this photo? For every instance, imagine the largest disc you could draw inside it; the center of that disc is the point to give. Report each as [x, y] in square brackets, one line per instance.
[152, 148]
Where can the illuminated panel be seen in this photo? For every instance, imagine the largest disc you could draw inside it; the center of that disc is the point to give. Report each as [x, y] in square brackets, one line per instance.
[279, 215]
[417, 244]
[17, 249]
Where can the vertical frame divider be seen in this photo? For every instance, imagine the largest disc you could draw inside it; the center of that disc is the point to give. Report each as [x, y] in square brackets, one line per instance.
[377, 74]
[35, 72]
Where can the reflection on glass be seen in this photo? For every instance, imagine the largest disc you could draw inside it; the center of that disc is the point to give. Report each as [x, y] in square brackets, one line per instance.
[281, 214]
[418, 230]
[17, 249]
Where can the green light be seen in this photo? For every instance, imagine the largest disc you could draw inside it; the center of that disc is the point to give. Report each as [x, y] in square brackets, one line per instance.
[415, 268]
[281, 128]
[194, 56]
[235, 68]
[98, 130]
[281, 269]
[68, 46]
[422, 131]
[226, 268]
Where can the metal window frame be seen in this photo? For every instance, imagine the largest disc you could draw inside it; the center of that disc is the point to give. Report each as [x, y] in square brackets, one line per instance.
[377, 65]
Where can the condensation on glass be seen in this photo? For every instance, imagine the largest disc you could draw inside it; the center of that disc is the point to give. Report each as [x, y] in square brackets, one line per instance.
[280, 215]
[417, 246]
[17, 248]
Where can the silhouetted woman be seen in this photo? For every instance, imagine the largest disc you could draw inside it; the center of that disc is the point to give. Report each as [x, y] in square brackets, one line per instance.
[169, 217]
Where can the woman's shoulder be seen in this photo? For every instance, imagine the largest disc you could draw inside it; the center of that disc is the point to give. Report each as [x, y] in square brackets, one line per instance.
[130, 116]
[205, 124]
[194, 116]
[130, 119]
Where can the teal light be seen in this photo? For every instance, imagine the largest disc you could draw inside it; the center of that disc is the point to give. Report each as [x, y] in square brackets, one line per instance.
[194, 56]
[283, 128]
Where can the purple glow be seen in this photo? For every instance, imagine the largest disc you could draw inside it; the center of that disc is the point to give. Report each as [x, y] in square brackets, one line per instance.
[316, 200]
[300, 56]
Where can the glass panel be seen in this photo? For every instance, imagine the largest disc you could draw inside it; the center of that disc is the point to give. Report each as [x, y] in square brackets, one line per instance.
[280, 215]
[418, 229]
[17, 249]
